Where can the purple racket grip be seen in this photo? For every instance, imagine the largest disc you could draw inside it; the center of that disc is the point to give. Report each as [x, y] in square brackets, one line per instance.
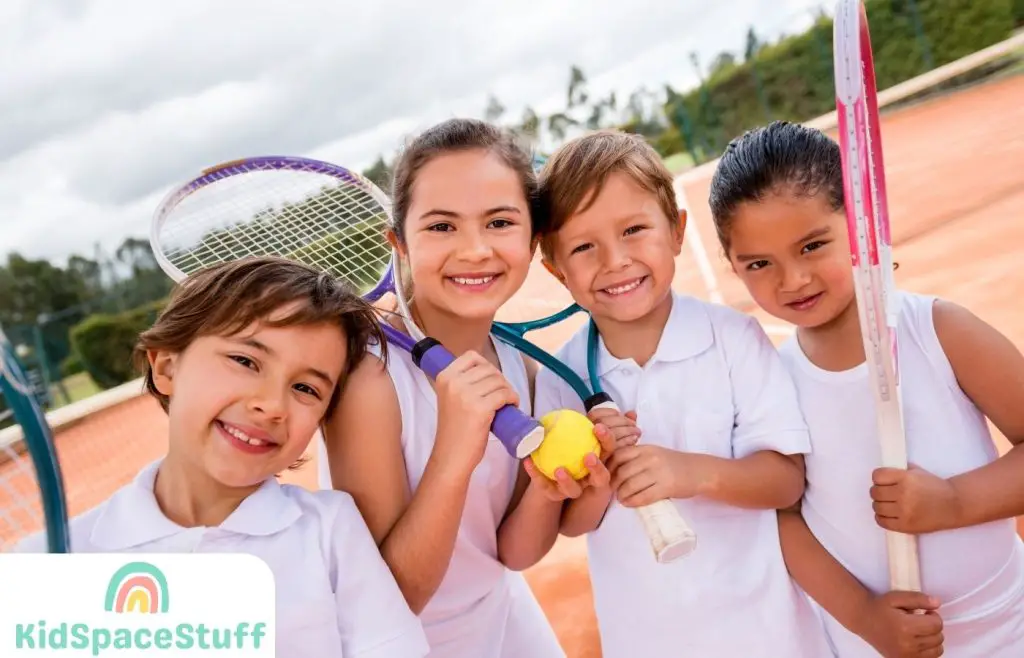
[519, 433]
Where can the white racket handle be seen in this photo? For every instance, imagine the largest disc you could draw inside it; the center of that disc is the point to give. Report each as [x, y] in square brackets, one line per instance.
[670, 536]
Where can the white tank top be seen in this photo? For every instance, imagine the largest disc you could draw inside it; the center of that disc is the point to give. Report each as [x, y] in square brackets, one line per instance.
[479, 601]
[977, 572]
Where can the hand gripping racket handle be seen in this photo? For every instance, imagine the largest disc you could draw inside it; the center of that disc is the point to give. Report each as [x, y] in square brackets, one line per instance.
[519, 433]
[671, 537]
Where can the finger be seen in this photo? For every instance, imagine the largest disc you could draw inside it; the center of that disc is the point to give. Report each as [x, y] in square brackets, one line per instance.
[911, 601]
[599, 414]
[599, 475]
[886, 510]
[622, 456]
[887, 493]
[497, 389]
[535, 474]
[631, 486]
[567, 486]
[466, 361]
[644, 497]
[619, 437]
[480, 374]
[631, 415]
[630, 439]
[624, 471]
[605, 437]
[888, 476]
[896, 525]
[930, 642]
[616, 420]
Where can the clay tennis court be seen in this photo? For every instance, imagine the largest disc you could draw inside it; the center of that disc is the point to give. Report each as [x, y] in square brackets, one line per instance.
[955, 168]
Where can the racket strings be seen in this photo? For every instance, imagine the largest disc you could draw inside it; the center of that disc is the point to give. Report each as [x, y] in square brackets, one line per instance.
[332, 224]
[21, 511]
[20, 505]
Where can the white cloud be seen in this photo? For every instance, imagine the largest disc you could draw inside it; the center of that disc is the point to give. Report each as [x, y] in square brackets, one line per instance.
[106, 104]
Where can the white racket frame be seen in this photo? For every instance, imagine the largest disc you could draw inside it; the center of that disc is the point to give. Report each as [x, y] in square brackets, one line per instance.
[871, 256]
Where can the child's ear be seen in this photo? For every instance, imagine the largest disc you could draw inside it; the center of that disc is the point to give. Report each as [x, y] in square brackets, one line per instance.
[555, 272]
[678, 230]
[395, 243]
[162, 365]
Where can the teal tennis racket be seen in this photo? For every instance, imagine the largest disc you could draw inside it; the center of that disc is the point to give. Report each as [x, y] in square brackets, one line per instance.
[31, 485]
[670, 536]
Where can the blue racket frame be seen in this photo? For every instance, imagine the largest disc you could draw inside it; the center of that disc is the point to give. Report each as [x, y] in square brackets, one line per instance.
[514, 334]
[38, 440]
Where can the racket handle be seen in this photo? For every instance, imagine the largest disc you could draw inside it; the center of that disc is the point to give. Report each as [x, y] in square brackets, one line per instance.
[518, 432]
[670, 536]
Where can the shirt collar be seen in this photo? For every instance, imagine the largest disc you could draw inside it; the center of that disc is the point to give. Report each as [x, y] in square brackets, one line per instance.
[687, 333]
[132, 517]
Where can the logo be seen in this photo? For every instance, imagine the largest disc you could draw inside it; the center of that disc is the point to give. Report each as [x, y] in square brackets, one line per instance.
[122, 608]
[137, 587]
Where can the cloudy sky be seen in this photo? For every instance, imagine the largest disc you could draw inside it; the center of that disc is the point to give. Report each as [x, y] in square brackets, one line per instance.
[106, 104]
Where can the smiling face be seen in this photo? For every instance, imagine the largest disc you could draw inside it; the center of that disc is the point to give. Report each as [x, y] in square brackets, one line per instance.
[792, 253]
[244, 407]
[467, 234]
[617, 257]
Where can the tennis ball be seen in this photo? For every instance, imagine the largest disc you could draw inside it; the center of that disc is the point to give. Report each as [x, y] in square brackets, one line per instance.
[568, 438]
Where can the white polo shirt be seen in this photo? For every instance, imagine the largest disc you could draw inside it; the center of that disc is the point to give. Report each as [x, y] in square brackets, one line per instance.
[336, 598]
[716, 386]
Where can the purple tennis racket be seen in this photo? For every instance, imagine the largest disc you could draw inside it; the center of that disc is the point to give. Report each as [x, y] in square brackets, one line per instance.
[316, 213]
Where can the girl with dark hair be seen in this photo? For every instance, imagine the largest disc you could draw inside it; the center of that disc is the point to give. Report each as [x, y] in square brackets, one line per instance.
[439, 493]
[777, 203]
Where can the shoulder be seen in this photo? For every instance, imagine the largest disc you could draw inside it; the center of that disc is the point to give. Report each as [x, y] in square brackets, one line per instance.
[726, 320]
[329, 508]
[965, 338]
[718, 326]
[368, 392]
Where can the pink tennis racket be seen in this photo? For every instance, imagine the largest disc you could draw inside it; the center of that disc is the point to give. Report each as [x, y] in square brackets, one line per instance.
[867, 218]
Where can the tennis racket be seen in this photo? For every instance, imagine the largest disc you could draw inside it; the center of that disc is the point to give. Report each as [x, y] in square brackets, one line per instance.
[317, 213]
[31, 489]
[670, 536]
[867, 217]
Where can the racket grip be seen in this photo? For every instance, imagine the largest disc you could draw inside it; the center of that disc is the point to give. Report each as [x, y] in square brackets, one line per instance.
[518, 432]
[671, 538]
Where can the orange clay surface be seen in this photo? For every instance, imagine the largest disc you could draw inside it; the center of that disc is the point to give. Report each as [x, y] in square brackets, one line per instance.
[955, 171]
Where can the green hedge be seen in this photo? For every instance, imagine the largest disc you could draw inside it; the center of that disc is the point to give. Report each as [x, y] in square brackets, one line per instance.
[103, 343]
[793, 79]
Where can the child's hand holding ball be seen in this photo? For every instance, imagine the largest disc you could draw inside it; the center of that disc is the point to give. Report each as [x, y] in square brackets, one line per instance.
[571, 456]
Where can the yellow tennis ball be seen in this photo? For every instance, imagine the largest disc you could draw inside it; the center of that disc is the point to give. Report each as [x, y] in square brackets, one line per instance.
[568, 438]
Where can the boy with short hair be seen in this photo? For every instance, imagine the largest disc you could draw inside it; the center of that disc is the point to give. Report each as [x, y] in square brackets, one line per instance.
[722, 433]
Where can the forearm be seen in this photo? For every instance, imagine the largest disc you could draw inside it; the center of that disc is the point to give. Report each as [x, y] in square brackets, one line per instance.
[584, 514]
[419, 547]
[529, 531]
[763, 480]
[994, 491]
[820, 575]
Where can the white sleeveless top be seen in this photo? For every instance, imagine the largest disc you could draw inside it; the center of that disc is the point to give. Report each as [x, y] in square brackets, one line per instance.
[978, 572]
[479, 601]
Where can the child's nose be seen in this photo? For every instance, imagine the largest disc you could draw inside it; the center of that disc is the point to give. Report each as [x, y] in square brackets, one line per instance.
[795, 277]
[269, 401]
[474, 246]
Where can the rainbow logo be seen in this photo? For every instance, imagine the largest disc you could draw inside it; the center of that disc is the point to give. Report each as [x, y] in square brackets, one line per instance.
[137, 587]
